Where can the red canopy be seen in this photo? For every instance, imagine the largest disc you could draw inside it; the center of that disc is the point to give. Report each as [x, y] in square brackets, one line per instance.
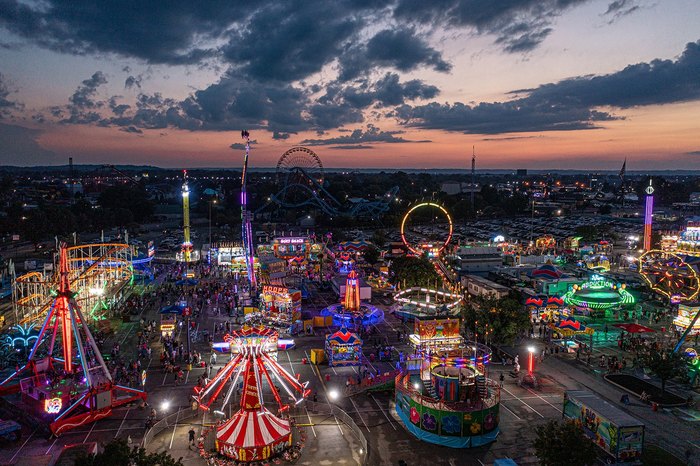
[634, 328]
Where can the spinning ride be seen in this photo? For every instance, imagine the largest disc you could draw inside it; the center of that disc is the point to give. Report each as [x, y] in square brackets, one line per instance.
[74, 387]
[432, 248]
[423, 302]
[598, 295]
[253, 433]
[246, 216]
[443, 395]
[352, 312]
[669, 275]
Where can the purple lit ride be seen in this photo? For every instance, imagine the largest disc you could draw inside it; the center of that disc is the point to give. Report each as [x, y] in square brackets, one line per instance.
[246, 229]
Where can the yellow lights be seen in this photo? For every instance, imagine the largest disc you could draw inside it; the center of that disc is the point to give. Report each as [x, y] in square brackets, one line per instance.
[418, 206]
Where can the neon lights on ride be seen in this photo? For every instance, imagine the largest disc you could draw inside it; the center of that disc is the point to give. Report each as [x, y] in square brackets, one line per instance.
[437, 250]
[53, 405]
[401, 297]
[669, 275]
[598, 294]
[246, 228]
[648, 216]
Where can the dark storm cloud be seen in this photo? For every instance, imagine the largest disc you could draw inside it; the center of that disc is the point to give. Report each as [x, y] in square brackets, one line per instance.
[400, 48]
[240, 145]
[276, 135]
[131, 129]
[19, 146]
[569, 104]
[620, 8]
[291, 40]
[7, 105]
[83, 107]
[351, 147]
[133, 81]
[358, 136]
[519, 25]
[158, 32]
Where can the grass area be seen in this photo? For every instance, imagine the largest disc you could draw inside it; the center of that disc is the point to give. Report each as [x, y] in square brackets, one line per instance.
[655, 455]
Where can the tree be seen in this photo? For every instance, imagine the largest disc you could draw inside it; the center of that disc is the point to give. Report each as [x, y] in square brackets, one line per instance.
[118, 453]
[371, 255]
[664, 363]
[560, 443]
[413, 271]
[501, 319]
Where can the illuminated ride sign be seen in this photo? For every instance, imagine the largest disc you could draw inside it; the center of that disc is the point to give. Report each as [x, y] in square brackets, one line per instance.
[291, 240]
[53, 405]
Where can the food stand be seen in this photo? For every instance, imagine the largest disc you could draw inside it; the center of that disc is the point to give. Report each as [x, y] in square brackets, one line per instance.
[280, 305]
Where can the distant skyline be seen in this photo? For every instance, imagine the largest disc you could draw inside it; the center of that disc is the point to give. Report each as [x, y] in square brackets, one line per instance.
[535, 84]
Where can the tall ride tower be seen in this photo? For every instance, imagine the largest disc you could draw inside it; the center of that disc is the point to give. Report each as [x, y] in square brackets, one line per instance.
[187, 244]
[648, 214]
[352, 293]
[473, 177]
[246, 229]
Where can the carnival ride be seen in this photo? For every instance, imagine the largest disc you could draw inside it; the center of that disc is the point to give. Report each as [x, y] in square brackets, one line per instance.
[443, 395]
[670, 275]
[74, 387]
[597, 296]
[351, 312]
[246, 217]
[187, 253]
[429, 247]
[419, 302]
[300, 175]
[97, 273]
[253, 433]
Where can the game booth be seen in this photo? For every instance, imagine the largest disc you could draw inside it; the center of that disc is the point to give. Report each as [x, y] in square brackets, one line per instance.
[343, 348]
[443, 395]
[687, 320]
[280, 306]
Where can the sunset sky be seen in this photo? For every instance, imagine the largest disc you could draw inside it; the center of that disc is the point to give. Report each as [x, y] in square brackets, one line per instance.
[538, 84]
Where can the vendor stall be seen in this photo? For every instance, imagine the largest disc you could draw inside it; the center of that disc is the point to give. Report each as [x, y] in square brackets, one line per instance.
[280, 305]
[343, 348]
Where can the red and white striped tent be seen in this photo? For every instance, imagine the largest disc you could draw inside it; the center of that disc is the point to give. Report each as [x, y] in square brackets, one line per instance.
[253, 435]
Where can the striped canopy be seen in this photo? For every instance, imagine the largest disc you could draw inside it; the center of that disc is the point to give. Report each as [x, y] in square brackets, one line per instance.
[546, 271]
[250, 434]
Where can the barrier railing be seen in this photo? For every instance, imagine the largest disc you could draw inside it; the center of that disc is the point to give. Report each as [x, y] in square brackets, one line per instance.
[366, 384]
[330, 409]
[168, 421]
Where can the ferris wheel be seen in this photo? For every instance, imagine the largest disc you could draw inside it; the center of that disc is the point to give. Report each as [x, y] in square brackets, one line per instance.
[298, 161]
[669, 275]
[431, 247]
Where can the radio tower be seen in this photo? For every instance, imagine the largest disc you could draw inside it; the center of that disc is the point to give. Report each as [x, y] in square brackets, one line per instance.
[246, 229]
[473, 187]
[187, 244]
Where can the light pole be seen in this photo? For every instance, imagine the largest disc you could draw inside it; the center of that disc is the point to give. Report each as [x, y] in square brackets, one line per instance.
[530, 361]
[211, 201]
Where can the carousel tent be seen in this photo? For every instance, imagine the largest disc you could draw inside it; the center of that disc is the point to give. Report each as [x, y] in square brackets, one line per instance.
[343, 348]
[253, 433]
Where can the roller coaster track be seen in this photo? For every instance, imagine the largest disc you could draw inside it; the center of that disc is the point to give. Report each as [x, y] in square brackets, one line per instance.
[96, 263]
[317, 196]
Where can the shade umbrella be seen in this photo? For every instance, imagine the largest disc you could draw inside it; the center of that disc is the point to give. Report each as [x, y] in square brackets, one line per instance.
[635, 328]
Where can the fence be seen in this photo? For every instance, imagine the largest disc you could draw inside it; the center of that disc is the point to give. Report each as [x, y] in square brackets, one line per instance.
[330, 409]
[168, 421]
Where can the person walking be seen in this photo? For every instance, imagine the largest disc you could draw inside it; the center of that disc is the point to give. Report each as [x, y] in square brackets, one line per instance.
[190, 433]
[501, 378]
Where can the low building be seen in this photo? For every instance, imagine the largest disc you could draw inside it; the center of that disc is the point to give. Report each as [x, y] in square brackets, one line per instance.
[478, 260]
[479, 286]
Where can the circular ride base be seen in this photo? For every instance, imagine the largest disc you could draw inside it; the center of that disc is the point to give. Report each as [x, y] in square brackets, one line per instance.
[368, 315]
[459, 424]
[454, 429]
